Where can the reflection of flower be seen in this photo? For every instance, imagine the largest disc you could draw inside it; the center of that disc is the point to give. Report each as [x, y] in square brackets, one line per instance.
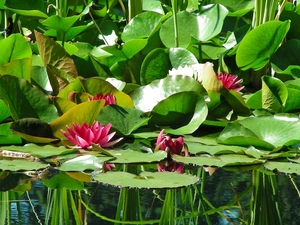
[172, 146]
[230, 82]
[83, 136]
[108, 98]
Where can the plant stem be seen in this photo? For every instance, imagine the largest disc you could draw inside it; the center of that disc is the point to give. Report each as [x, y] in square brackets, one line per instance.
[174, 10]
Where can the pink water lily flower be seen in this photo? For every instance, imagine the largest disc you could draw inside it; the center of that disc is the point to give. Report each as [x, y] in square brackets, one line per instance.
[108, 98]
[172, 146]
[83, 136]
[230, 82]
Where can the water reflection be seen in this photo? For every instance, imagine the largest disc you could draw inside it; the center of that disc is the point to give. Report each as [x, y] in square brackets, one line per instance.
[234, 192]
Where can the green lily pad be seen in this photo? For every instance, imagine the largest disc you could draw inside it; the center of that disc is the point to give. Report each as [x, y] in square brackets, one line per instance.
[40, 151]
[284, 167]
[62, 181]
[199, 148]
[130, 156]
[147, 180]
[220, 161]
[21, 165]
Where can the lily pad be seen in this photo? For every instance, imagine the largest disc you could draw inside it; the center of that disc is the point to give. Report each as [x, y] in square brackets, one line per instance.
[147, 180]
[40, 151]
[285, 167]
[21, 165]
[198, 148]
[130, 156]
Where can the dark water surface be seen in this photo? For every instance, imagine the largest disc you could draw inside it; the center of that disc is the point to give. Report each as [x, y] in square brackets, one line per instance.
[220, 188]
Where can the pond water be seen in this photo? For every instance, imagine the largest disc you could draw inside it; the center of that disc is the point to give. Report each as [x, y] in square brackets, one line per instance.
[230, 194]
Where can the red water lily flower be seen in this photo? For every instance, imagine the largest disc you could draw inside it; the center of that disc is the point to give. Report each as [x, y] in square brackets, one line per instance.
[108, 98]
[83, 136]
[230, 82]
[172, 146]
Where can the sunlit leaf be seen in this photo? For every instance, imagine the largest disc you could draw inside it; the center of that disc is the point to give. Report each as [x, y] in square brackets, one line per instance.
[20, 68]
[130, 156]
[21, 165]
[284, 167]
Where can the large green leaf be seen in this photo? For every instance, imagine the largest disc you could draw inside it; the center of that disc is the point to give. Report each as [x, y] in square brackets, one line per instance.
[236, 8]
[141, 26]
[61, 24]
[20, 68]
[146, 97]
[63, 181]
[260, 44]
[26, 100]
[147, 179]
[264, 131]
[84, 112]
[284, 167]
[202, 27]
[183, 112]
[124, 120]
[199, 148]
[14, 47]
[274, 94]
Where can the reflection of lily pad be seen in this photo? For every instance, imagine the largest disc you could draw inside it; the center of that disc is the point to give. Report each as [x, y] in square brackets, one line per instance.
[147, 179]
[265, 131]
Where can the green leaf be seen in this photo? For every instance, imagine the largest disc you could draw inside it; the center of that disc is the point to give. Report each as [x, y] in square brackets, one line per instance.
[284, 167]
[147, 179]
[84, 112]
[199, 148]
[292, 102]
[7, 137]
[41, 152]
[20, 68]
[25, 100]
[61, 24]
[21, 165]
[141, 26]
[236, 101]
[13, 48]
[155, 66]
[183, 112]
[146, 97]
[30, 8]
[132, 47]
[220, 161]
[181, 57]
[4, 111]
[264, 131]
[202, 27]
[274, 94]
[130, 156]
[286, 60]
[124, 120]
[260, 44]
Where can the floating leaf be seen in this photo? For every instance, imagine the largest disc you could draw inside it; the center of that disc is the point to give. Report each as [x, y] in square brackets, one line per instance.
[130, 156]
[198, 148]
[21, 165]
[41, 152]
[284, 167]
[147, 179]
